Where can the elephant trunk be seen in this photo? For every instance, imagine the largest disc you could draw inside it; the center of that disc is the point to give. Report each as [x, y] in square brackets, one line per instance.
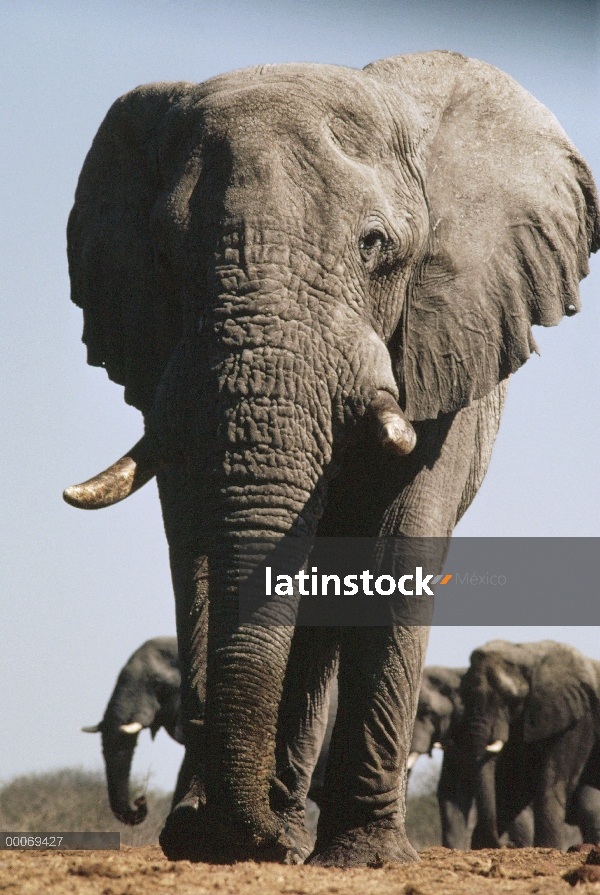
[486, 832]
[479, 730]
[248, 650]
[118, 749]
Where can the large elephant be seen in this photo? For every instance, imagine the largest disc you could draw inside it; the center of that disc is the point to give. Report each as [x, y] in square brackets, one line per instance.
[145, 696]
[269, 262]
[532, 719]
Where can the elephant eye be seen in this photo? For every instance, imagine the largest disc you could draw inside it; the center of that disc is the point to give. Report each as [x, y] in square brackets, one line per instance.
[377, 248]
[371, 242]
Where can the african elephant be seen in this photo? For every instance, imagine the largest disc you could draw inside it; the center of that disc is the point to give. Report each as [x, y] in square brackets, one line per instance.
[437, 723]
[438, 708]
[146, 695]
[532, 719]
[271, 263]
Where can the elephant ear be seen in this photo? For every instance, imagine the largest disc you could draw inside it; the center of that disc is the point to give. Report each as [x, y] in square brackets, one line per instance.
[513, 213]
[132, 316]
[563, 690]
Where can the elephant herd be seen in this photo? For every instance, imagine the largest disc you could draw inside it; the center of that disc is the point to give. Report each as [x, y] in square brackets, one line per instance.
[519, 728]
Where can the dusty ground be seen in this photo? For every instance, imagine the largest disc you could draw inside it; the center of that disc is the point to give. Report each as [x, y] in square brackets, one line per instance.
[144, 871]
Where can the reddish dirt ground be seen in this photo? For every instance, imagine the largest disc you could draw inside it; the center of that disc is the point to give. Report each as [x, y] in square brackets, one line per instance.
[144, 871]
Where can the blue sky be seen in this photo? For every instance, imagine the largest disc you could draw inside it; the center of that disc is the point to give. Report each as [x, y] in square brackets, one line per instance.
[79, 592]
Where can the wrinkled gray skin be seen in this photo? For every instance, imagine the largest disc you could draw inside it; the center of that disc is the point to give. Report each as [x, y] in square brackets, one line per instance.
[539, 703]
[146, 695]
[256, 258]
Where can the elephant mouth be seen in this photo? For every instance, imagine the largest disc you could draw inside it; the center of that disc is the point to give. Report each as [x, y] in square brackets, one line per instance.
[140, 464]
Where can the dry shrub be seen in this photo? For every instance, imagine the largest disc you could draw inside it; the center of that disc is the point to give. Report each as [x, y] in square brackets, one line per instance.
[73, 800]
[423, 826]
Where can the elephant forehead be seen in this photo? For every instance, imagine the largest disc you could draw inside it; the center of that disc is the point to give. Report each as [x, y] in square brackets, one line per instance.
[307, 111]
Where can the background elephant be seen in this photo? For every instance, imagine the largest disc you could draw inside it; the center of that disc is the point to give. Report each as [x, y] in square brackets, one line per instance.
[439, 707]
[531, 720]
[146, 695]
[269, 262]
[438, 723]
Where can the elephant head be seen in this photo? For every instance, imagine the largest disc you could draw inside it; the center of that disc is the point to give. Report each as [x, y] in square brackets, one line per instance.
[146, 695]
[274, 263]
[529, 693]
[439, 708]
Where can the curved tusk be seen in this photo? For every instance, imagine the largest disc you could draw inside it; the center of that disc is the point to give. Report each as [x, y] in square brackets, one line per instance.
[117, 482]
[94, 729]
[393, 429]
[437, 746]
[412, 759]
[495, 747]
[134, 727]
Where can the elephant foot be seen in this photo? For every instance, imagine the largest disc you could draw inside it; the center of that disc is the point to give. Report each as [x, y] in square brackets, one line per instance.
[378, 843]
[303, 841]
[183, 831]
[190, 833]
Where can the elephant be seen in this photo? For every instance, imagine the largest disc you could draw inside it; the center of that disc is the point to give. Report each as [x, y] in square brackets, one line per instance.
[314, 282]
[146, 695]
[532, 721]
[438, 709]
[437, 724]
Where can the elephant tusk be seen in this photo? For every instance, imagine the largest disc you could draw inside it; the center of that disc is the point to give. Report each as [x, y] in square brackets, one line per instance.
[393, 429]
[117, 482]
[411, 760]
[495, 747]
[132, 728]
[95, 729]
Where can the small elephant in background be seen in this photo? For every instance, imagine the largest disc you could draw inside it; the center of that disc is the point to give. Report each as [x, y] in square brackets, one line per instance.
[439, 707]
[146, 695]
[438, 719]
[529, 736]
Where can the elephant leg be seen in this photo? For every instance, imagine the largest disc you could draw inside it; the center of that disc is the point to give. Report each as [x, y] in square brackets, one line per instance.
[565, 764]
[362, 814]
[302, 723]
[520, 831]
[549, 817]
[456, 799]
[190, 580]
[587, 812]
